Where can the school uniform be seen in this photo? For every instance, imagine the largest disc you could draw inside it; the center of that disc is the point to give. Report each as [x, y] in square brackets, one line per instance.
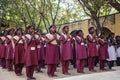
[52, 54]
[0, 49]
[40, 53]
[19, 54]
[112, 53]
[81, 53]
[66, 55]
[74, 53]
[9, 55]
[118, 52]
[3, 51]
[103, 53]
[31, 60]
[92, 51]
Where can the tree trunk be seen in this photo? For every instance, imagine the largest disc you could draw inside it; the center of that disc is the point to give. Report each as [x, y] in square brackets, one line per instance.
[98, 26]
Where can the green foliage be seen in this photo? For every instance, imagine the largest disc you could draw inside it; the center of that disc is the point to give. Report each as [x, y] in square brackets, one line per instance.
[44, 13]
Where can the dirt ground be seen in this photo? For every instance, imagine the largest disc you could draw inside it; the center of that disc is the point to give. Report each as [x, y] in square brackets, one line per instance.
[6, 75]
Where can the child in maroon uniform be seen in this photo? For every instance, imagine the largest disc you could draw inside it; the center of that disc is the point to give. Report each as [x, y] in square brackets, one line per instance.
[31, 60]
[52, 51]
[81, 53]
[103, 53]
[4, 49]
[66, 48]
[40, 50]
[9, 55]
[92, 49]
[19, 51]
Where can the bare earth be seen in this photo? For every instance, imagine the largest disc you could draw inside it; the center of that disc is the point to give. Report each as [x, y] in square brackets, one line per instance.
[5, 75]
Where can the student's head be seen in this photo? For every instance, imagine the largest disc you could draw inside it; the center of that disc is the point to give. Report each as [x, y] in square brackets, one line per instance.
[31, 29]
[19, 31]
[117, 37]
[39, 31]
[65, 29]
[112, 35]
[5, 32]
[52, 29]
[11, 31]
[80, 33]
[102, 35]
[91, 30]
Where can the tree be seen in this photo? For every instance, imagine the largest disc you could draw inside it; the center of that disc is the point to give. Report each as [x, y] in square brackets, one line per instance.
[115, 4]
[94, 9]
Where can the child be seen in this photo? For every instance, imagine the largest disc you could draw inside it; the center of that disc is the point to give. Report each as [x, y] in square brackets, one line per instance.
[31, 60]
[40, 50]
[9, 55]
[111, 51]
[66, 47]
[103, 53]
[81, 53]
[92, 49]
[19, 51]
[4, 49]
[118, 50]
[52, 51]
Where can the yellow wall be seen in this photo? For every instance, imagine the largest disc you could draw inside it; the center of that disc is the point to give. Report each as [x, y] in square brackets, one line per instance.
[112, 22]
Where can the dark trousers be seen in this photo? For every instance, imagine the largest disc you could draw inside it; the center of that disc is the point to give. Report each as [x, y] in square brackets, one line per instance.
[30, 71]
[110, 64]
[102, 64]
[51, 69]
[9, 64]
[118, 61]
[40, 65]
[3, 63]
[18, 68]
[65, 65]
[80, 65]
[91, 61]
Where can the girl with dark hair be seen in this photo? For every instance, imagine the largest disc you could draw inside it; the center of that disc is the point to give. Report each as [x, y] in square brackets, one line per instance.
[103, 53]
[19, 51]
[92, 49]
[111, 51]
[9, 55]
[118, 50]
[31, 60]
[52, 51]
[81, 53]
[40, 50]
[66, 47]
[4, 49]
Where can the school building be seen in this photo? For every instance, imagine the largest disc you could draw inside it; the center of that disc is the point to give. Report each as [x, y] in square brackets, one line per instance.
[111, 23]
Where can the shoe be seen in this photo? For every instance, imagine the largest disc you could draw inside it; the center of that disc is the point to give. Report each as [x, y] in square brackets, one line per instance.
[54, 75]
[93, 70]
[33, 78]
[28, 78]
[67, 73]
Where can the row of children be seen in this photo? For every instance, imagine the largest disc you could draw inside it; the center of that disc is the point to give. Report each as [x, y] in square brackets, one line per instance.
[34, 49]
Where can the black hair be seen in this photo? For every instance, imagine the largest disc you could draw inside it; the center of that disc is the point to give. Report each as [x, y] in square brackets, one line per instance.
[10, 30]
[39, 30]
[5, 31]
[102, 34]
[77, 32]
[117, 37]
[18, 30]
[51, 27]
[30, 26]
[90, 29]
[64, 27]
